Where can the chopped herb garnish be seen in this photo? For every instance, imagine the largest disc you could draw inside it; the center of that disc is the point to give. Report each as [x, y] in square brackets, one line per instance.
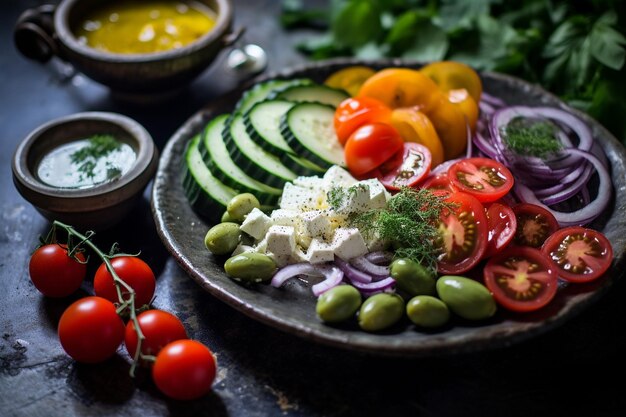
[87, 157]
[529, 137]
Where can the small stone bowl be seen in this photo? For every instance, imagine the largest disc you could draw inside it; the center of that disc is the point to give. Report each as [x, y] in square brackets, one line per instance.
[98, 207]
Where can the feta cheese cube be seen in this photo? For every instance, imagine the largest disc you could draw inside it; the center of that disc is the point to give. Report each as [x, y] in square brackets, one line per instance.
[337, 176]
[300, 198]
[378, 193]
[256, 224]
[316, 224]
[242, 249]
[281, 240]
[348, 243]
[314, 183]
[319, 252]
[357, 199]
[284, 217]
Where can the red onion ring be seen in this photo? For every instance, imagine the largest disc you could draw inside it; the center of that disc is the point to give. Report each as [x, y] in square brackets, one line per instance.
[377, 271]
[353, 274]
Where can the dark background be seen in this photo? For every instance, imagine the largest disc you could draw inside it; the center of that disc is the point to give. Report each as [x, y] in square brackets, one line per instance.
[574, 370]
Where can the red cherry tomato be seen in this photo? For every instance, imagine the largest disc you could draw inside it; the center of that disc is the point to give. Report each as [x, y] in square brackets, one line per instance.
[406, 168]
[438, 183]
[502, 227]
[355, 112]
[54, 273]
[158, 327]
[521, 279]
[371, 145]
[463, 234]
[184, 370]
[534, 225]
[90, 330]
[578, 254]
[131, 270]
[484, 178]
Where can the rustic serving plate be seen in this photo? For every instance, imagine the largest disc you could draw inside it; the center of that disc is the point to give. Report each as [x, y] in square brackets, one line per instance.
[292, 308]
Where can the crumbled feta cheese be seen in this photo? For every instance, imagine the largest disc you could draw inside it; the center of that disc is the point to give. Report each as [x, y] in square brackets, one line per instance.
[348, 243]
[281, 240]
[336, 176]
[378, 194]
[301, 198]
[256, 224]
[320, 251]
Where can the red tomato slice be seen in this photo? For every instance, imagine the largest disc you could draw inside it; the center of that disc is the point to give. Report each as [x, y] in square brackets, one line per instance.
[353, 113]
[484, 178]
[521, 279]
[438, 183]
[579, 254]
[502, 226]
[534, 225]
[406, 168]
[371, 145]
[463, 234]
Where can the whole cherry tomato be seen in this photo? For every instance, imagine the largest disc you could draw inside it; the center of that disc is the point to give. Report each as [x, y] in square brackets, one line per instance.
[131, 270]
[452, 75]
[90, 330]
[350, 78]
[371, 145]
[54, 273]
[184, 370]
[158, 327]
[415, 126]
[355, 112]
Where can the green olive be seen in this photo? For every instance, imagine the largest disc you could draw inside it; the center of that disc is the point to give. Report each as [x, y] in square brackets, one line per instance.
[338, 304]
[226, 218]
[465, 297]
[222, 238]
[381, 311]
[427, 311]
[412, 277]
[250, 267]
[240, 205]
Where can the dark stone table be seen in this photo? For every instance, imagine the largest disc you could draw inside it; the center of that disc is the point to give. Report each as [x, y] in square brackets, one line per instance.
[575, 370]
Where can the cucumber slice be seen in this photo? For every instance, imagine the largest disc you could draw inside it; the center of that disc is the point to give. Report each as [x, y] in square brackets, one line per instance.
[206, 194]
[316, 93]
[263, 125]
[261, 91]
[251, 158]
[309, 130]
[224, 169]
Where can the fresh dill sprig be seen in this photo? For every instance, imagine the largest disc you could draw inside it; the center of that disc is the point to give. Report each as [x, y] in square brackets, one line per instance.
[530, 137]
[99, 146]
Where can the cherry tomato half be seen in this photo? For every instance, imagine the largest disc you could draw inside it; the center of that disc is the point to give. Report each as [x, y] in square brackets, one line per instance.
[371, 145]
[158, 327]
[131, 270]
[502, 227]
[534, 225]
[350, 78]
[484, 178]
[578, 254]
[90, 330]
[415, 126]
[406, 168]
[353, 113]
[452, 75]
[521, 279]
[463, 234]
[438, 183]
[54, 273]
[184, 370]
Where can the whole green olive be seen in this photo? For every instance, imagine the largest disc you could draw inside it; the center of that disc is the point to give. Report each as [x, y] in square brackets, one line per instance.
[222, 238]
[250, 267]
[412, 277]
[240, 205]
[465, 297]
[226, 218]
[380, 311]
[427, 311]
[338, 304]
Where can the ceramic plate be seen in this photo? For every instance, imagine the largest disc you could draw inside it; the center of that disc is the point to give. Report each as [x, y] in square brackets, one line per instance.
[292, 308]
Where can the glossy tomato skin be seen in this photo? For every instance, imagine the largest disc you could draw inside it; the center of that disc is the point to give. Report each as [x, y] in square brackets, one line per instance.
[415, 126]
[371, 145]
[355, 112]
[184, 370]
[407, 168]
[578, 254]
[54, 273]
[453, 75]
[90, 330]
[534, 225]
[131, 270]
[463, 234]
[502, 227]
[484, 178]
[438, 183]
[521, 279]
[158, 327]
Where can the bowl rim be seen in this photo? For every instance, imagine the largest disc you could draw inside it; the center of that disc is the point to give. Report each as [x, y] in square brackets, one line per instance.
[69, 40]
[25, 179]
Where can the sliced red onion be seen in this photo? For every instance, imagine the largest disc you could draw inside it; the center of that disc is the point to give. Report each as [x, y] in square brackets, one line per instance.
[375, 287]
[569, 186]
[353, 274]
[292, 271]
[492, 100]
[379, 257]
[363, 264]
[332, 277]
[443, 167]
[468, 139]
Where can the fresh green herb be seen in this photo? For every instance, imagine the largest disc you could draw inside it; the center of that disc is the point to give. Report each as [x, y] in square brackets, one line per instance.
[408, 222]
[531, 137]
[575, 49]
[87, 157]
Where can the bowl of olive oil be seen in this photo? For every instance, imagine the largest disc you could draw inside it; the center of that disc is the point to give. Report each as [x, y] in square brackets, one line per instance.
[87, 169]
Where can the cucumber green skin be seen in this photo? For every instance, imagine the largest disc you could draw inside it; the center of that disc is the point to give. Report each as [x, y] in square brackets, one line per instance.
[291, 93]
[268, 196]
[265, 89]
[257, 137]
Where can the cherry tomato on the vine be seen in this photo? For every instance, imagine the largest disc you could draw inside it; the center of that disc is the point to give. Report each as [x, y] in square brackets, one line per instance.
[184, 370]
[54, 273]
[406, 168]
[132, 270]
[90, 330]
[353, 113]
[578, 254]
[371, 145]
[158, 327]
[484, 178]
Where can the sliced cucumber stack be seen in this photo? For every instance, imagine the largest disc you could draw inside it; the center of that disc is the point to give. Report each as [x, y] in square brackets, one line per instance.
[311, 93]
[224, 169]
[261, 91]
